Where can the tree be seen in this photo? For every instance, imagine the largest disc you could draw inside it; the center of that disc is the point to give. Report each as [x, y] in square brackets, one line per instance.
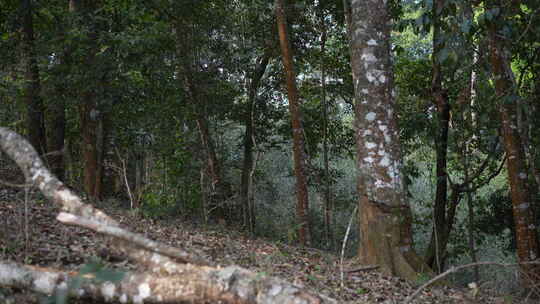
[197, 73]
[437, 245]
[302, 201]
[249, 141]
[528, 248]
[91, 111]
[56, 108]
[35, 118]
[384, 213]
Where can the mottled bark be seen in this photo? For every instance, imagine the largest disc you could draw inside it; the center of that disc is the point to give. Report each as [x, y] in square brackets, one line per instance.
[248, 161]
[507, 98]
[385, 215]
[35, 118]
[435, 253]
[299, 155]
[231, 285]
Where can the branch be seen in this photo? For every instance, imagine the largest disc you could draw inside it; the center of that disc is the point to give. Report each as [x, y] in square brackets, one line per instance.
[12, 185]
[170, 275]
[133, 238]
[196, 285]
[54, 190]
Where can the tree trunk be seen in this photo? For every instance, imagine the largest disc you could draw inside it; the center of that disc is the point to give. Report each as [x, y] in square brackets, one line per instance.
[247, 166]
[440, 99]
[385, 215]
[219, 190]
[326, 164]
[526, 235]
[57, 127]
[91, 114]
[302, 202]
[35, 120]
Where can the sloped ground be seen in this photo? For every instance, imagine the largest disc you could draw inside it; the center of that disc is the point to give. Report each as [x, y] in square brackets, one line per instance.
[30, 234]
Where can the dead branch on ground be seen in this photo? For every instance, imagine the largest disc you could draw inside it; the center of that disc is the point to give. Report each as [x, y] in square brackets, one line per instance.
[166, 274]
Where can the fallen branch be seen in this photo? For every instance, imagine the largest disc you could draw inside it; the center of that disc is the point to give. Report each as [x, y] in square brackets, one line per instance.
[132, 238]
[364, 268]
[342, 276]
[197, 284]
[168, 274]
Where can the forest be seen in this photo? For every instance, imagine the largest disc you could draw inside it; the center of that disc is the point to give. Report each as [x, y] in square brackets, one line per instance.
[256, 151]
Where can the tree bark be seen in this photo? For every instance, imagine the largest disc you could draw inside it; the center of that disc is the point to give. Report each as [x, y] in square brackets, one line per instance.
[57, 127]
[507, 97]
[90, 112]
[302, 200]
[35, 118]
[385, 215]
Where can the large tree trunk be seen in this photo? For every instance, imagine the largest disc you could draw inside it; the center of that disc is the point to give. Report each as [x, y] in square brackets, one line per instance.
[385, 215]
[526, 235]
[247, 165]
[90, 112]
[302, 202]
[89, 131]
[436, 248]
[35, 120]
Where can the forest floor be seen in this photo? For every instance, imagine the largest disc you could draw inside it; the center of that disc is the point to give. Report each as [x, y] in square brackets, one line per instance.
[30, 234]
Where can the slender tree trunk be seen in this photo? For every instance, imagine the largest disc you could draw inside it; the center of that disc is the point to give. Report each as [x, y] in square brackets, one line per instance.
[302, 203]
[35, 118]
[347, 12]
[435, 250]
[327, 195]
[247, 166]
[526, 235]
[57, 127]
[57, 110]
[219, 190]
[385, 215]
